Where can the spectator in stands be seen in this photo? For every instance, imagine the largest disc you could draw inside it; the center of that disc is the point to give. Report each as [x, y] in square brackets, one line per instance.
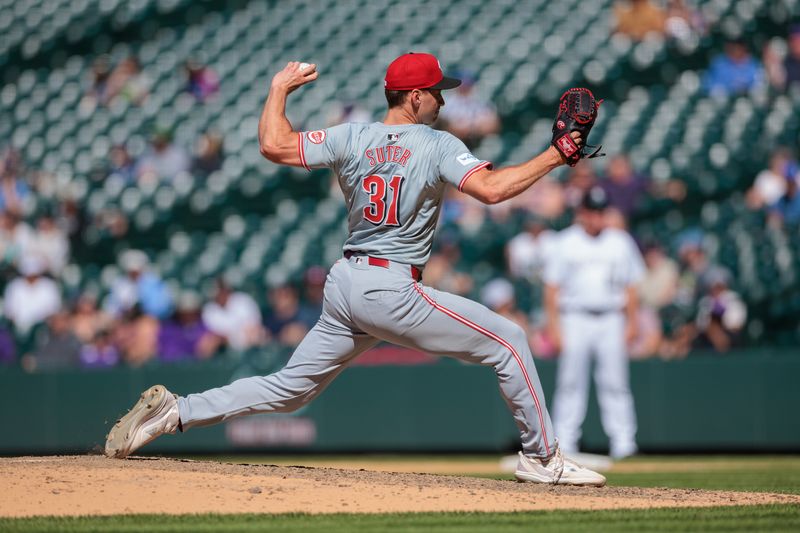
[31, 298]
[185, 336]
[87, 320]
[101, 352]
[679, 332]
[138, 287]
[463, 210]
[639, 18]
[791, 63]
[111, 221]
[13, 188]
[13, 236]
[201, 80]
[787, 209]
[648, 334]
[773, 59]
[734, 72]
[678, 317]
[442, 271]
[657, 290]
[770, 184]
[71, 218]
[498, 295]
[581, 178]
[127, 81]
[121, 164]
[683, 21]
[468, 116]
[48, 242]
[441, 274]
[547, 200]
[57, 346]
[721, 313]
[314, 284]
[208, 156]
[526, 253]
[162, 160]
[286, 322]
[97, 94]
[783, 69]
[695, 266]
[234, 316]
[660, 283]
[625, 189]
[136, 336]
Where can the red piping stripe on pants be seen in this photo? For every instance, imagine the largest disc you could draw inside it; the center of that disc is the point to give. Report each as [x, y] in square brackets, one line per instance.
[508, 346]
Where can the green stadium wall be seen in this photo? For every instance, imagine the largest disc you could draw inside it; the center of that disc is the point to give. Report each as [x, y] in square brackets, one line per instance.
[741, 402]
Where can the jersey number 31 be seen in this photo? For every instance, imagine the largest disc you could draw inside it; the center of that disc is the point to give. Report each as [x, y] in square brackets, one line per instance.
[378, 189]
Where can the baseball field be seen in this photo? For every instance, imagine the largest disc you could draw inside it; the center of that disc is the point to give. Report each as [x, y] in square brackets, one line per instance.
[392, 493]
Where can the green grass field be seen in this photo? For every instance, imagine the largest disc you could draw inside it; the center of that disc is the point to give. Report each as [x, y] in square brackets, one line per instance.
[754, 518]
[751, 473]
[748, 473]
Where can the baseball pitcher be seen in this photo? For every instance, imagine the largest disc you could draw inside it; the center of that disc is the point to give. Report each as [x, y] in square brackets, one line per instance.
[393, 175]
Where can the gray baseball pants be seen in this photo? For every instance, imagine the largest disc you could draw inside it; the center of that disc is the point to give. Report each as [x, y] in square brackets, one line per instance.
[365, 304]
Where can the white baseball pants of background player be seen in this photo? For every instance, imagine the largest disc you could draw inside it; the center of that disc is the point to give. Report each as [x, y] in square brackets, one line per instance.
[600, 336]
[364, 304]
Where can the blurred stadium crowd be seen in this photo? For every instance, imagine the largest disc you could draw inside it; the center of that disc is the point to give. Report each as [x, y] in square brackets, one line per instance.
[138, 223]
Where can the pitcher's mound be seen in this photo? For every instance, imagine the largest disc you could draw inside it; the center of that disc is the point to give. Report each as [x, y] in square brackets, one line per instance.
[92, 485]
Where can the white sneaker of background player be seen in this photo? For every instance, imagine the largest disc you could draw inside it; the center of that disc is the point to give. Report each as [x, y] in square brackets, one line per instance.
[556, 470]
[155, 414]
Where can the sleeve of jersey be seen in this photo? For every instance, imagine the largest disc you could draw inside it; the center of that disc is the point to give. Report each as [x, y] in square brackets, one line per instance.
[322, 148]
[457, 164]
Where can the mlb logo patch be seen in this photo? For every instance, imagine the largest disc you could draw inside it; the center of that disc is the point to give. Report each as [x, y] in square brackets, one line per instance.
[393, 137]
[467, 159]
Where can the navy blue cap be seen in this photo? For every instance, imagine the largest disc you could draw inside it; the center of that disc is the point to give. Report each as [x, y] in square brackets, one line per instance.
[595, 199]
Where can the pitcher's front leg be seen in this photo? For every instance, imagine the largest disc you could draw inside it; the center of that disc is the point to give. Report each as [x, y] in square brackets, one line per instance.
[319, 358]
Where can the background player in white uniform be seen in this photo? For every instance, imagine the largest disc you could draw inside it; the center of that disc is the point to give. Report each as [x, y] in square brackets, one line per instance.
[393, 176]
[591, 303]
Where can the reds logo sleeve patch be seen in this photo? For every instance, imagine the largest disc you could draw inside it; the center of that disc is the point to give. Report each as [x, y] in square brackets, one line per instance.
[316, 136]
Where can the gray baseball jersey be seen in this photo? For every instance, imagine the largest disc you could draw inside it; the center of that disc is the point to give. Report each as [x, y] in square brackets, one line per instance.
[393, 178]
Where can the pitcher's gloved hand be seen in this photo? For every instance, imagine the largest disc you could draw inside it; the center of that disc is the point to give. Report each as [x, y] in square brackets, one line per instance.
[577, 111]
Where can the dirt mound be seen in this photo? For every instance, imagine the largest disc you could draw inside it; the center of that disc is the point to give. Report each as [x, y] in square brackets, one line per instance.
[91, 485]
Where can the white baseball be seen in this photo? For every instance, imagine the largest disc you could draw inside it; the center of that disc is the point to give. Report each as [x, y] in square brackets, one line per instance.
[304, 66]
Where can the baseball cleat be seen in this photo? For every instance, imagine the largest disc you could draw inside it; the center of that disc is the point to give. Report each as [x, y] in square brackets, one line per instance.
[154, 414]
[556, 470]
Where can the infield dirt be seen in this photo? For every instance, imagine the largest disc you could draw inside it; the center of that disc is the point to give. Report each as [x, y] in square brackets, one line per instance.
[94, 485]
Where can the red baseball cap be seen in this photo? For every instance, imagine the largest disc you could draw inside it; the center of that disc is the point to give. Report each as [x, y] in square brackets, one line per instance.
[417, 71]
